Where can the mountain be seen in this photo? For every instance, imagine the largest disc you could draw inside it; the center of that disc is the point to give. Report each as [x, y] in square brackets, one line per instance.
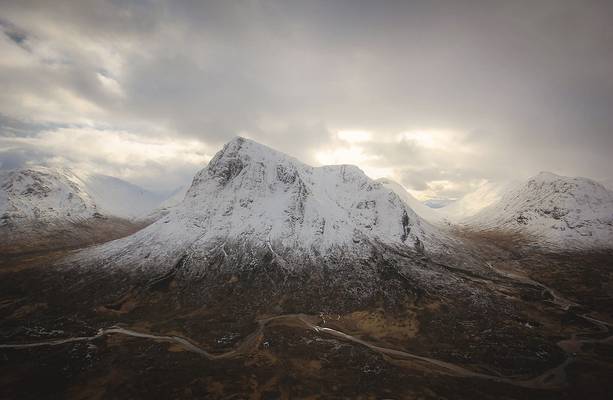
[557, 211]
[44, 194]
[54, 207]
[252, 196]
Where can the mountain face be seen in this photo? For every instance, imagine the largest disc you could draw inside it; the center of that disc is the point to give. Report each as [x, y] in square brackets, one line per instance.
[51, 194]
[557, 211]
[44, 194]
[254, 196]
[53, 208]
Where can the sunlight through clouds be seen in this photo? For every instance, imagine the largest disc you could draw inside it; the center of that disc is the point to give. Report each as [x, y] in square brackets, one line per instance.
[354, 136]
[136, 158]
[354, 155]
[434, 138]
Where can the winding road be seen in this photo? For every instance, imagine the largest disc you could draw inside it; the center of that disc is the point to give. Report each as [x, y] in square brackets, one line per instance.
[552, 378]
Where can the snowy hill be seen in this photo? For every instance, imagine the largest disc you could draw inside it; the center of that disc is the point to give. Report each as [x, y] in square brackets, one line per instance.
[251, 195]
[53, 208]
[560, 212]
[470, 204]
[44, 194]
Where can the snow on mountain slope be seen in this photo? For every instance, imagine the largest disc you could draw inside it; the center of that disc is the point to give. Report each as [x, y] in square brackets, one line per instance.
[253, 195]
[117, 197]
[561, 212]
[173, 199]
[41, 194]
[420, 209]
[44, 194]
[470, 204]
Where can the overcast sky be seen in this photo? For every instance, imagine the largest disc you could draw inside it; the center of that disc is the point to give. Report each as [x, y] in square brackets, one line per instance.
[439, 95]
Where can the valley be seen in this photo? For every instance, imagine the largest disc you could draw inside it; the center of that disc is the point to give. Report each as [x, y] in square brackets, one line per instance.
[88, 336]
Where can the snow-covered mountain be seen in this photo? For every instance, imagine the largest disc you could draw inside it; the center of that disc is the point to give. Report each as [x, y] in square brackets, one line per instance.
[558, 211]
[42, 194]
[253, 196]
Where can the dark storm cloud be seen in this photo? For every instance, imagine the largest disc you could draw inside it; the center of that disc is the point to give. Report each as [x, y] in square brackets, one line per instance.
[526, 85]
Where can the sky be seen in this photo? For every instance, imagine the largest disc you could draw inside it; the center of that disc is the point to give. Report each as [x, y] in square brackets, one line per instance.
[440, 96]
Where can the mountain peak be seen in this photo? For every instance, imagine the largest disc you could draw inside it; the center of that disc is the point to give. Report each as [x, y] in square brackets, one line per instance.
[241, 153]
[240, 146]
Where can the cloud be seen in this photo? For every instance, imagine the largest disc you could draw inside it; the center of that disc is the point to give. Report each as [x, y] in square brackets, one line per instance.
[160, 163]
[437, 94]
